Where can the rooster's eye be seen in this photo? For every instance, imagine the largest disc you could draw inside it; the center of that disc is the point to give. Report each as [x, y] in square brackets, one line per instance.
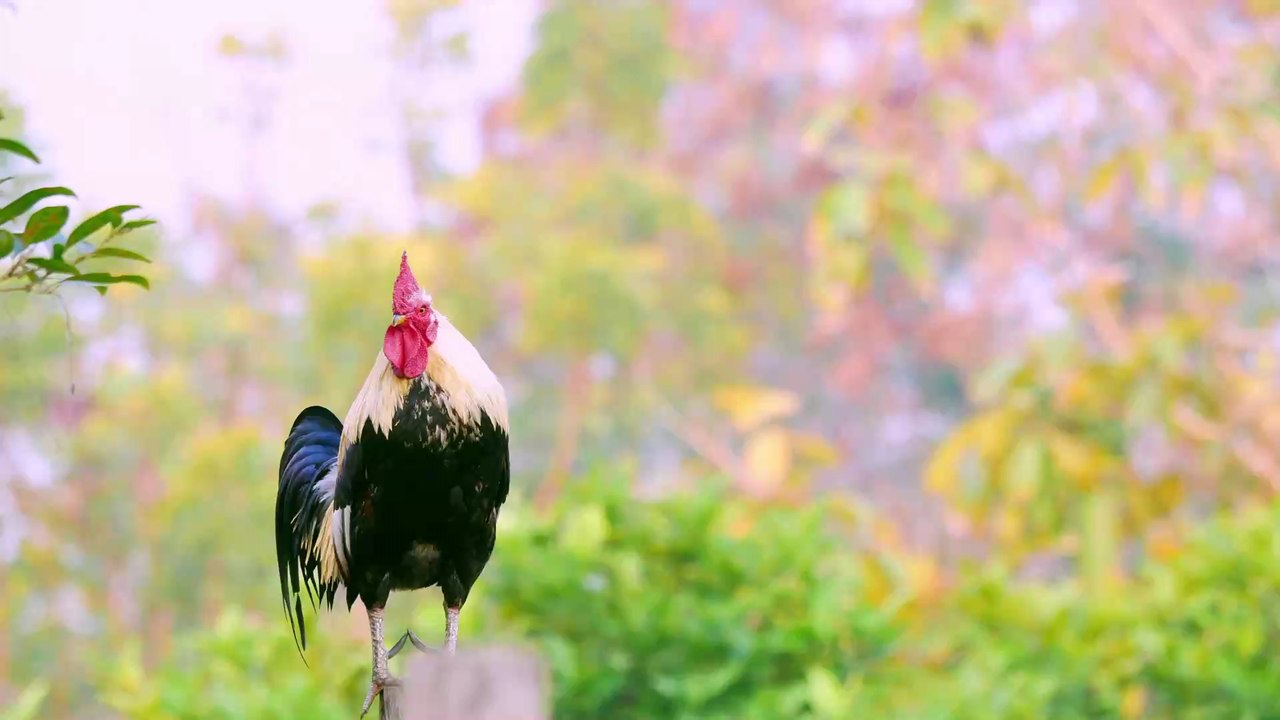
[422, 310]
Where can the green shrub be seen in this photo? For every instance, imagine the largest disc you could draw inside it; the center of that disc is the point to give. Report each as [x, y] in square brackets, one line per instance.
[696, 606]
[703, 605]
[241, 669]
[1195, 637]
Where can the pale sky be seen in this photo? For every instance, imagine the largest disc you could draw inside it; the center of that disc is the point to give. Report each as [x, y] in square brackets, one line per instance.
[130, 101]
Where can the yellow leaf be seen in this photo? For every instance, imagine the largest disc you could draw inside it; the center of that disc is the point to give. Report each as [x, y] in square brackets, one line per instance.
[885, 533]
[878, 582]
[1134, 702]
[1078, 460]
[1221, 294]
[923, 574]
[1104, 177]
[849, 264]
[993, 431]
[750, 407]
[1164, 543]
[1009, 525]
[814, 449]
[979, 175]
[740, 523]
[943, 469]
[648, 258]
[846, 510]
[768, 457]
[1075, 390]
[231, 46]
[1263, 7]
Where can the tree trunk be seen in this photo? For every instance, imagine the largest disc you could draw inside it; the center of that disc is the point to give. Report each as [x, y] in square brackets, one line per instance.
[390, 702]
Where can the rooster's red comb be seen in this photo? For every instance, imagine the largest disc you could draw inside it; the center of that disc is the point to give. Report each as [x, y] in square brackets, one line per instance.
[406, 289]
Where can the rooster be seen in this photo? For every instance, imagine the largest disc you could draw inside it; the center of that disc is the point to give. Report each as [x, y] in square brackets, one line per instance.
[403, 494]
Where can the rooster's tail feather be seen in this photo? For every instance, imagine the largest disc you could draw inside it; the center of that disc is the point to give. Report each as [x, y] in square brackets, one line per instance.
[304, 509]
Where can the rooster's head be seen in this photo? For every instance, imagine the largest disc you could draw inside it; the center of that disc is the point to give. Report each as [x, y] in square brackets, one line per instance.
[413, 325]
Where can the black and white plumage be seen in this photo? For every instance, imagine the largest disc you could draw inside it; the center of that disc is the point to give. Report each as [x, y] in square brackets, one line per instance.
[405, 492]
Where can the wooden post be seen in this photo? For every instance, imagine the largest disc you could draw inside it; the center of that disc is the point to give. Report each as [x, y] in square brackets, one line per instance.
[480, 683]
[391, 701]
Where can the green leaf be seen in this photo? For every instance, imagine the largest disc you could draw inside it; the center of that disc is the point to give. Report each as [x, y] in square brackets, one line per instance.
[1099, 551]
[17, 148]
[120, 210]
[113, 216]
[7, 241]
[826, 693]
[1025, 468]
[119, 253]
[848, 207]
[54, 265]
[1000, 377]
[101, 278]
[135, 224]
[910, 256]
[94, 277]
[134, 280]
[585, 529]
[44, 224]
[29, 702]
[29, 200]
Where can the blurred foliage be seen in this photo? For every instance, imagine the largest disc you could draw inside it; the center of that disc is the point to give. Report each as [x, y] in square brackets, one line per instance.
[704, 605]
[694, 606]
[601, 65]
[1079, 449]
[1188, 639]
[27, 705]
[915, 360]
[238, 668]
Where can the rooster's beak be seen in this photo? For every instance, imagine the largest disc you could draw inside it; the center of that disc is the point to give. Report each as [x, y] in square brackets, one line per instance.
[396, 320]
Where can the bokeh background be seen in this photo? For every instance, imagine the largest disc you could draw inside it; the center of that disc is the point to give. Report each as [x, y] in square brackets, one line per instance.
[881, 358]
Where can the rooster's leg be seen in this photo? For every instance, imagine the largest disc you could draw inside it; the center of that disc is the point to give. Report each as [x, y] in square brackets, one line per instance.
[451, 629]
[381, 676]
[408, 637]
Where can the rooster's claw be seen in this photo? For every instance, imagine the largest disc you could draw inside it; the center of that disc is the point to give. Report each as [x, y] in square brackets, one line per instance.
[377, 687]
[410, 637]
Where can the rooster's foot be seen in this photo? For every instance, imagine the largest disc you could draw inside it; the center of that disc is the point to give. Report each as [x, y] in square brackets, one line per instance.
[376, 688]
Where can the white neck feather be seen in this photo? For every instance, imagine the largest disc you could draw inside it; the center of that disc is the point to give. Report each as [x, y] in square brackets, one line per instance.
[456, 368]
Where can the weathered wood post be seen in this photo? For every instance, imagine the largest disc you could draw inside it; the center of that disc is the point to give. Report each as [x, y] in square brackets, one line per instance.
[480, 683]
[391, 702]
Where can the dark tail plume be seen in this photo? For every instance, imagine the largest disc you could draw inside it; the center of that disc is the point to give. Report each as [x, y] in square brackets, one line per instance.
[302, 505]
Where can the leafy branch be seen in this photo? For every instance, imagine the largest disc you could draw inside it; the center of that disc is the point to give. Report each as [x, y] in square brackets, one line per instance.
[41, 257]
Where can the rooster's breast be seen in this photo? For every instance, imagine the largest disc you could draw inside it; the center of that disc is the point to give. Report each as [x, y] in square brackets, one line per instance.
[434, 487]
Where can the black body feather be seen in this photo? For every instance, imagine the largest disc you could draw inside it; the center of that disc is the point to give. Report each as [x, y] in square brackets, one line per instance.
[423, 499]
